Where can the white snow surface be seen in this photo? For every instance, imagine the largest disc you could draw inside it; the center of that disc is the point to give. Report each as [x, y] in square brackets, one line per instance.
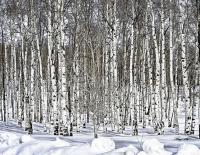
[154, 147]
[14, 141]
[102, 145]
[187, 149]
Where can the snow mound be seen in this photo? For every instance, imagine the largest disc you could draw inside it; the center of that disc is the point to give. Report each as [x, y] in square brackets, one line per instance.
[154, 147]
[75, 150]
[26, 138]
[60, 143]
[30, 146]
[188, 149]
[18, 149]
[42, 147]
[129, 150]
[142, 153]
[8, 139]
[102, 145]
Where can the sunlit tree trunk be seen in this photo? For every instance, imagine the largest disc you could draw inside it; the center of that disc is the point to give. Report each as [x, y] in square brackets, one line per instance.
[15, 84]
[108, 119]
[198, 50]
[49, 64]
[52, 51]
[113, 54]
[4, 78]
[157, 115]
[6, 92]
[186, 87]
[172, 86]
[163, 71]
[188, 117]
[131, 73]
[133, 86]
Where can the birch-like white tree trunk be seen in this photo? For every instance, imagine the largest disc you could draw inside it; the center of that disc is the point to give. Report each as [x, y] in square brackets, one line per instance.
[15, 85]
[188, 118]
[198, 50]
[133, 89]
[163, 71]
[106, 72]
[49, 63]
[52, 62]
[157, 106]
[188, 109]
[172, 86]
[33, 65]
[6, 93]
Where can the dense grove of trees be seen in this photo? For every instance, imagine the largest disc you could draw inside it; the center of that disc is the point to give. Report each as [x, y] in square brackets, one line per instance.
[65, 63]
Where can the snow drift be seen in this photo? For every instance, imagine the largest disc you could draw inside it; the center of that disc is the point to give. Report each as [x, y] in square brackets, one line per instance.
[13, 144]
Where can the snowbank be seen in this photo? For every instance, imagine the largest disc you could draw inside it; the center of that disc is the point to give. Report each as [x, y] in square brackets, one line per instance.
[8, 139]
[188, 149]
[12, 144]
[102, 145]
[142, 153]
[26, 138]
[130, 150]
[73, 150]
[154, 147]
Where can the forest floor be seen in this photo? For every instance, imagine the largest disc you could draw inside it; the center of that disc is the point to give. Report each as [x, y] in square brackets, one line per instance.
[14, 141]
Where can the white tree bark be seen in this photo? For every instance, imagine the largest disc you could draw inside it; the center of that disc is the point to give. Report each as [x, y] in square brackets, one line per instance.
[49, 48]
[6, 84]
[172, 86]
[157, 89]
[106, 72]
[157, 116]
[52, 63]
[33, 65]
[21, 81]
[163, 77]
[65, 115]
[188, 118]
[188, 109]
[114, 63]
[133, 86]
[15, 84]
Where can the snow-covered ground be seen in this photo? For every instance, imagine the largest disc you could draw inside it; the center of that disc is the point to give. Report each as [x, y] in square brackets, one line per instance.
[14, 141]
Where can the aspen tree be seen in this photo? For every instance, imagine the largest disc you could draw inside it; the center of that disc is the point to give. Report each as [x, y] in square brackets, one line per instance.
[27, 116]
[4, 79]
[185, 75]
[62, 72]
[15, 84]
[49, 60]
[6, 95]
[131, 69]
[133, 95]
[106, 61]
[21, 77]
[198, 50]
[173, 90]
[157, 106]
[32, 87]
[143, 76]
[52, 62]
[163, 71]
[149, 64]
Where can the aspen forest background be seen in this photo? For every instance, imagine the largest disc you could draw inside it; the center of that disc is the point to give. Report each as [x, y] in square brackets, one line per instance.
[109, 63]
